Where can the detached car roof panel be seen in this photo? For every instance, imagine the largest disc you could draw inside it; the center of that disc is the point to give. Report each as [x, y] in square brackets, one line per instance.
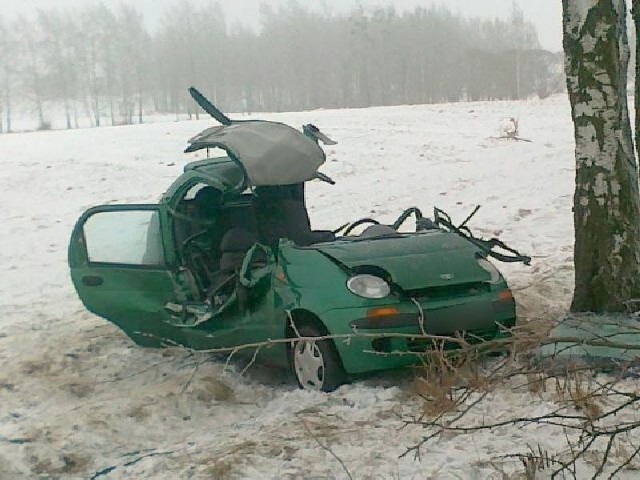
[271, 153]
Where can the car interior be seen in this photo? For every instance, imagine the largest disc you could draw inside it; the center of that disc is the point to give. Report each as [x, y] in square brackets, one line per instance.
[214, 233]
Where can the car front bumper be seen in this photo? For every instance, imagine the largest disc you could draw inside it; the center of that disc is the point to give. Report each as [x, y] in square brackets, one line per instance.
[407, 329]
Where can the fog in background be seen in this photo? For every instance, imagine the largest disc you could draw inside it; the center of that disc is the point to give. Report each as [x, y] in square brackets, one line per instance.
[546, 15]
[86, 63]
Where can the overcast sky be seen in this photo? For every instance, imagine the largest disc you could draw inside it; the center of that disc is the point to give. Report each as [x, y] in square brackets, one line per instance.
[545, 14]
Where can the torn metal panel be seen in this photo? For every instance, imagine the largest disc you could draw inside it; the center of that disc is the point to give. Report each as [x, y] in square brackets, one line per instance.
[595, 338]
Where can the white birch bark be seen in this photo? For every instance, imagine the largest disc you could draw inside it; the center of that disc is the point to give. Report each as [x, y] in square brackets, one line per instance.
[606, 199]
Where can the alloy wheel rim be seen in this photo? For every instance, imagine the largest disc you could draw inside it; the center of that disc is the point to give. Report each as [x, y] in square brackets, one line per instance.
[309, 365]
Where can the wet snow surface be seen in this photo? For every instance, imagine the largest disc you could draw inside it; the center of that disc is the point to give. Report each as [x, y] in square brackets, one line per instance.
[78, 399]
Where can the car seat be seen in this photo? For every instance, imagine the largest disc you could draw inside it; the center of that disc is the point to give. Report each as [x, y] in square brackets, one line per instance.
[234, 245]
[288, 218]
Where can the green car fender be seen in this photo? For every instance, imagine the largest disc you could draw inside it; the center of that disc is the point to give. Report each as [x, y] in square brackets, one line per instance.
[309, 280]
[312, 288]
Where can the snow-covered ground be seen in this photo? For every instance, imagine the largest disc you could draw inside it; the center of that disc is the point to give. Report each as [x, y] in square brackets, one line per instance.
[78, 399]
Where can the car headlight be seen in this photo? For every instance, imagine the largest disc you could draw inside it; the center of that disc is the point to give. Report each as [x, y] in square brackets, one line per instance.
[368, 286]
[488, 267]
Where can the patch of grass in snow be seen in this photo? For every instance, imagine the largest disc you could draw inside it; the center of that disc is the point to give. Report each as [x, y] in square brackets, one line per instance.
[222, 469]
[70, 463]
[138, 412]
[80, 390]
[579, 389]
[224, 465]
[211, 389]
[443, 373]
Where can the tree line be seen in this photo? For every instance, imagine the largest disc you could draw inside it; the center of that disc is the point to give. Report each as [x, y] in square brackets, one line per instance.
[107, 65]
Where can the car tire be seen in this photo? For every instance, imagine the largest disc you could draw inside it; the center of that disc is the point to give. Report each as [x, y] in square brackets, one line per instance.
[315, 364]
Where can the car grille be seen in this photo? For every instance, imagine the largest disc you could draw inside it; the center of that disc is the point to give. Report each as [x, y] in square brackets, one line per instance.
[449, 291]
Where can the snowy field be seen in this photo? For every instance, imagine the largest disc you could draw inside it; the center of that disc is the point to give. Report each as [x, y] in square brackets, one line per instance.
[79, 400]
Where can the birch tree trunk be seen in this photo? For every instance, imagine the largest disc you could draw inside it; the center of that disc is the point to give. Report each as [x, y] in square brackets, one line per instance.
[606, 199]
[635, 14]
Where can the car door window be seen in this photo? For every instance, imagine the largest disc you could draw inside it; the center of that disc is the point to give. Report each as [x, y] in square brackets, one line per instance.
[130, 237]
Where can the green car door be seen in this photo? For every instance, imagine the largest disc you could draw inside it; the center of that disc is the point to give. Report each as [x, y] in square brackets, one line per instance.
[121, 270]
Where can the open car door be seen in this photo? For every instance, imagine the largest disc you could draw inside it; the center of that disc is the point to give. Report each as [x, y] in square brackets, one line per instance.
[120, 271]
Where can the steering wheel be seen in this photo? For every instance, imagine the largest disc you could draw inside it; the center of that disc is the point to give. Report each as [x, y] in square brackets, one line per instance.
[196, 256]
[357, 223]
[190, 243]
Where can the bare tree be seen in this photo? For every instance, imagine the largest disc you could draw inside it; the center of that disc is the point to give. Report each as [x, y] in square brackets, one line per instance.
[133, 49]
[106, 27]
[60, 74]
[87, 59]
[7, 73]
[34, 65]
[180, 60]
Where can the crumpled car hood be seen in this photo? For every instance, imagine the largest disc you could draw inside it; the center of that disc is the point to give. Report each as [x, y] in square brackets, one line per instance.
[414, 261]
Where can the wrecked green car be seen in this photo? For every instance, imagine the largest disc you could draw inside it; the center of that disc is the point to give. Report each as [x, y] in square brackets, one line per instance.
[228, 259]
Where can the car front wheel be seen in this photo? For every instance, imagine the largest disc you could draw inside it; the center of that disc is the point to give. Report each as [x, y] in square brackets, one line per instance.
[316, 363]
